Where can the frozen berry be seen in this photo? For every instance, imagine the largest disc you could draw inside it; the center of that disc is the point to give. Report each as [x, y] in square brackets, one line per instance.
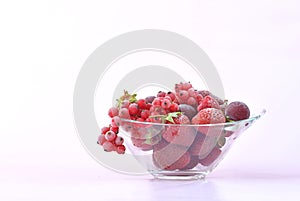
[209, 116]
[101, 139]
[113, 111]
[149, 99]
[124, 113]
[133, 108]
[208, 102]
[108, 146]
[237, 111]
[104, 129]
[187, 110]
[120, 149]
[119, 140]
[110, 136]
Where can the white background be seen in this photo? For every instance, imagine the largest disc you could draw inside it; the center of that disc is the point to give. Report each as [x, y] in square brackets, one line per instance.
[255, 46]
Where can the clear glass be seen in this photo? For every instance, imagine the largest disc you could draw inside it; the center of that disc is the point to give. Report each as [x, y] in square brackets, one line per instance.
[172, 151]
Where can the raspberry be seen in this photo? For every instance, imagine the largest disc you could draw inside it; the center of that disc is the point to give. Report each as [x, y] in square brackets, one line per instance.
[209, 116]
[237, 111]
[208, 102]
[212, 156]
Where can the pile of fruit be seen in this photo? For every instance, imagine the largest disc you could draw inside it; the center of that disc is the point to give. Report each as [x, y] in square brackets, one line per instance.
[168, 133]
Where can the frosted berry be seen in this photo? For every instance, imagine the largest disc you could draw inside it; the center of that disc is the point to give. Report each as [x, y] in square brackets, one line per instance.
[237, 111]
[113, 111]
[209, 116]
[124, 113]
[121, 149]
[119, 140]
[101, 139]
[208, 102]
[133, 108]
[110, 136]
[108, 146]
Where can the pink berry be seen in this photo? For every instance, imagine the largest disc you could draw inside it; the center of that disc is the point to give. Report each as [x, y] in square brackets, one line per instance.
[101, 139]
[119, 140]
[183, 95]
[145, 114]
[115, 129]
[125, 104]
[108, 146]
[171, 95]
[121, 149]
[156, 101]
[110, 136]
[124, 113]
[161, 94]
[166, 103]
[192, 92]
[104, 129]
[191, 101]
[113, 111]
[133, 109]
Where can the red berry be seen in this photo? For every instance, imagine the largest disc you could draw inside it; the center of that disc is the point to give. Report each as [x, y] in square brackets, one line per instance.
[209, 116]
[124, 113]
[125, 104]
[192, 92]
[101, 139]
[174, 107]
[110, 136]
[191, 101]
[133, 109]
[115, 129]
[166, 104]
[171, 95]
[140, 119]
[208, 102]
[108, 146]
[104, 129]
[119, 140]
[237, 111]
[161, 94]
[183, 95]
[113, 111]
[156, 101]
[121, 149]
[145, 114]
[142, 104]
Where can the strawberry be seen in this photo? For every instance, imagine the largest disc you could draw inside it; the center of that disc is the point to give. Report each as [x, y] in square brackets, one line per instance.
[208, 102]
[209, 116]
[212, 156]
[170, 156]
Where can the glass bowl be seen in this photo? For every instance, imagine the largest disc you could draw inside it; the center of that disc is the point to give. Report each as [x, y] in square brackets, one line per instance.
[174, 151]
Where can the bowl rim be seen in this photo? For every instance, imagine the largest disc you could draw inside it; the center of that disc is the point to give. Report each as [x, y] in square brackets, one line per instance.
[253, 117]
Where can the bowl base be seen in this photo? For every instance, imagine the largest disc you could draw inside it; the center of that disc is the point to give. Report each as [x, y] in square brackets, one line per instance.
[179, 175]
